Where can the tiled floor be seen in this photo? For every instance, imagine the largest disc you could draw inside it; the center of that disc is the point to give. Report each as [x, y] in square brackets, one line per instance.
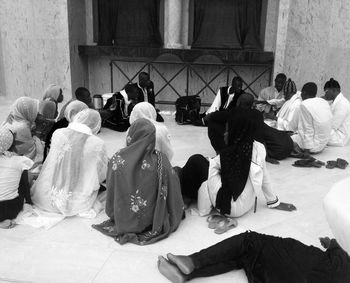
[74, 252]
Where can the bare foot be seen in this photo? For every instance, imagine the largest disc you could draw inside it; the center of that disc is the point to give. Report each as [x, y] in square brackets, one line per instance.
[7, 224]
[184, 263]
[171, 272]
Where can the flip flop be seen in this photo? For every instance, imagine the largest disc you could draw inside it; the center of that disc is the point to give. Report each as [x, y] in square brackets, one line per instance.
[304, 162]
[225, 225]
[341, 163]
[214, 219]
[331, 164]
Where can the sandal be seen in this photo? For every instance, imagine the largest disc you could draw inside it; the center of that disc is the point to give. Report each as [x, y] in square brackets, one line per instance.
[341, 163]
[304, 162]
[225, 225]
[213, 220]
[331, 164]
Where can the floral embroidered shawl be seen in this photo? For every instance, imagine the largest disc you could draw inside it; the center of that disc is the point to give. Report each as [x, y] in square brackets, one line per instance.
[144, 201]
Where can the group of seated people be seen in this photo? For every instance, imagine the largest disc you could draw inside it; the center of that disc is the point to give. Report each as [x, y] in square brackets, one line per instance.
[146, 198]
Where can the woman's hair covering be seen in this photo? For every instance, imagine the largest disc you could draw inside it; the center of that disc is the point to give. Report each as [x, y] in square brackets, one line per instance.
[236, 158]
[52, 92]
[310, 88]
[90, 118]
[332, 83]
[143, 110]
[24, 109]
[6, 139]
[73, 108]
[289, 87]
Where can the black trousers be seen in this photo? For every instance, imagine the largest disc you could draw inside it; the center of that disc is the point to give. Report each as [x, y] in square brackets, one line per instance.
[193, 174]
[9, 209]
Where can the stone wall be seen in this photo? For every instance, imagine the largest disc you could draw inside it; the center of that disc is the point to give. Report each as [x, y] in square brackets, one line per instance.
[34, 47]
[316, 43]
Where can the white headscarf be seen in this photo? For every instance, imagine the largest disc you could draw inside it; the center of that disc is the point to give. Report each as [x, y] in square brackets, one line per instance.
[52, 92]
[24, 109]
[143, 110]
[73, 108]
[90, 118]
[6, 139]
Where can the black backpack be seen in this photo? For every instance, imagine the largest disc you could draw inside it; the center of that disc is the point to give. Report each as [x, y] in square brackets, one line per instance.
[187, 109]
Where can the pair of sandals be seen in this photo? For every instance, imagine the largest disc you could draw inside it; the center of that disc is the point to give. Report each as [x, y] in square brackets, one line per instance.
[221, 224]
[339, 163]
[309, 162]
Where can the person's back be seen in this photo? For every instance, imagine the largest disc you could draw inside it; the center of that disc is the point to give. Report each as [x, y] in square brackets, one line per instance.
[317, 114]
[340, 134]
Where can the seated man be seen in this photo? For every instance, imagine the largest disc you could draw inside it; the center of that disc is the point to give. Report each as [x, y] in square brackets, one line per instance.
[145, 92]
[225, 98]
[271, 98]
[278, 144]
[116, 112]
[340, 107]
[83, 94]
[315, 122]
[287, 119]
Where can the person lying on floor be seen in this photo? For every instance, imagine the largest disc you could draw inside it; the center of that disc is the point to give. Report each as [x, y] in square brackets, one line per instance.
[147, 111]
[231, 181]
[144, 201]
[145, 90]
[271, 98]
[226, 98]
[14, 186]
[74, 169]
[340, 107]
[287, 117]
[116, 112]
[314, 123]
[73, 108]
[267, 258]
[278, 144]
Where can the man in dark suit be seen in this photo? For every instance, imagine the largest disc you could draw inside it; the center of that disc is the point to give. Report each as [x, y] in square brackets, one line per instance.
[145, 92]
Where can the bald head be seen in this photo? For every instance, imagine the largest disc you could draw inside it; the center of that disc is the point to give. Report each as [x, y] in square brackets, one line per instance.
[245, 101]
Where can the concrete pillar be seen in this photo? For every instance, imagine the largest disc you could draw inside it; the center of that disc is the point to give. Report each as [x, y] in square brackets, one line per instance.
[89, 23]
[173, 16]
[185, 23]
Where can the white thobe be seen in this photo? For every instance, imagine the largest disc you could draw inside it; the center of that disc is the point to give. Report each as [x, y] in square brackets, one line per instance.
[287, 117]
[215, 106]
[274, 99]
[314, 125]
[258, 180]
[340, 134]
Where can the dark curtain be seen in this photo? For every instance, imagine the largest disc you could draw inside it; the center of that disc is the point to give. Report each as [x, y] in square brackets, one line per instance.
[227, 24]
[129, 22]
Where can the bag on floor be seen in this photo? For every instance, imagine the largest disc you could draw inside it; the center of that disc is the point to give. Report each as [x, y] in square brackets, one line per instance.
[187, 109]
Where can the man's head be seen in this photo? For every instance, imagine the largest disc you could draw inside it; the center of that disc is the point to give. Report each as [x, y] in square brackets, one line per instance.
[245, 101]
[280, 80]
[237, 84]
[309, 90]
[83, 94]
[144, 79]
[331, 89]
[289, 89]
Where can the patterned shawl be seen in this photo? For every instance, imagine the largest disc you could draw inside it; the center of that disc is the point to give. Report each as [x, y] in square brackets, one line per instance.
[144, 199]
[24, 109]
[236, 158]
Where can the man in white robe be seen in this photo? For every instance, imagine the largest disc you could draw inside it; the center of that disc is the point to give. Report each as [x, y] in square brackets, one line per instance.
[340, 107]
[271, 98]
[315, 121]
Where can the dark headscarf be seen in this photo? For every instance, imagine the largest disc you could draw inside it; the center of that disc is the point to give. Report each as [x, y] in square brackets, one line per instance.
[236, 158]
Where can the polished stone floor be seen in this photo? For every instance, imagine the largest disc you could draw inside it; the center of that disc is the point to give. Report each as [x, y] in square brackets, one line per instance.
[72, 251]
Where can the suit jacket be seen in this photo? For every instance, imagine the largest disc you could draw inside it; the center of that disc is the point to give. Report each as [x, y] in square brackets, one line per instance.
[149, 92]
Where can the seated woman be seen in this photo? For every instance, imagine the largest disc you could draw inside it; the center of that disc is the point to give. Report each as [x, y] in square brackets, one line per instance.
[144, 201]
[21, 122]
[73, 108]
[74, 169]
[147, 111]
[49, 106]
[235, 177]
[14, 187]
